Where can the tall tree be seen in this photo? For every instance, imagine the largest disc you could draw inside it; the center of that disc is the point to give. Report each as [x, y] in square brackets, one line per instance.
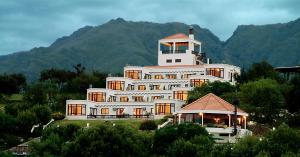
[262, 99]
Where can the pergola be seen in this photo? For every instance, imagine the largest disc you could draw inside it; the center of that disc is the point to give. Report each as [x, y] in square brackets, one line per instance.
[211, 110]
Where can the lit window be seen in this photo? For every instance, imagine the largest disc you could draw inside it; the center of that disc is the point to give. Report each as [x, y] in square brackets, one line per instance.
[104, 110]
[116, 85]
[171, 76]
[124, 99]
[76, 109]
[181, 95]
[138, 112]
[97, 96]
[217, 72]
[198, 82]
[164, 108]
[141, 87]
[134, 74]
[158, 77]
[138, 98]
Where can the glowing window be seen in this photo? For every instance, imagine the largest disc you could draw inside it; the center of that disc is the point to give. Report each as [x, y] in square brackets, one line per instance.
[76, 109]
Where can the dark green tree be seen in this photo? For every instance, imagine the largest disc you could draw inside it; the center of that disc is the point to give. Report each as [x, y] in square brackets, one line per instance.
[262, 99]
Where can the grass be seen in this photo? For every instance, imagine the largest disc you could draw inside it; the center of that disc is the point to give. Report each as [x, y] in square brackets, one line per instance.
[134, 123]
[16, 97]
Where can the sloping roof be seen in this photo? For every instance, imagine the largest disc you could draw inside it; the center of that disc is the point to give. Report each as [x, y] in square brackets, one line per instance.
[211, 103]
[177, 36]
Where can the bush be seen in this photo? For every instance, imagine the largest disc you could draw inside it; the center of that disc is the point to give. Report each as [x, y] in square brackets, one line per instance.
[148, 125]
[58, 116]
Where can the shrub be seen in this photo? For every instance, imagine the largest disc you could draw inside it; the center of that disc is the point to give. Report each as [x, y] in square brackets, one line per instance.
[148, 125]
[58, 116]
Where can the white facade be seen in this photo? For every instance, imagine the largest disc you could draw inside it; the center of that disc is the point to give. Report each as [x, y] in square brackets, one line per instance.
[153, 91]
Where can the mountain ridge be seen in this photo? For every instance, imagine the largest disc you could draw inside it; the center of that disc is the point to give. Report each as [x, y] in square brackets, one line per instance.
[112, 45]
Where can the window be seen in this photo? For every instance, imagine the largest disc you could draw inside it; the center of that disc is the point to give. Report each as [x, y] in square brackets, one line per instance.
[177, 60]
[93, 111]
[198, 82]
[155, 97]
[138, 112]
[164, 108]
[116, 85]
[169, 60]
[155, 87]
[112, 99]
[104, 110]
[76, 109]
[97, 96]
[171, 76]
[133, 74]
[217, 72]
[158, 77]
[124, 99]
[120, 111]
[186, 76]
[138, 98]
[141, 87]
[147, 76]
[181, 95]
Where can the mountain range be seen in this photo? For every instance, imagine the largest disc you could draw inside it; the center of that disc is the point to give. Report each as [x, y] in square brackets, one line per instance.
[111, 46]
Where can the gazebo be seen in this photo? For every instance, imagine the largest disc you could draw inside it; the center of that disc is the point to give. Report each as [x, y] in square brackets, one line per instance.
[213, 113]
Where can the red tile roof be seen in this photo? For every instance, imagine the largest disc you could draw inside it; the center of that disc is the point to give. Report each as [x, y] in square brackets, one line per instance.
[177, 36]
[211, 102]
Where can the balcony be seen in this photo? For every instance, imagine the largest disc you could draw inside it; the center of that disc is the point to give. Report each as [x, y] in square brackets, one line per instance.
[167, 51]
[173, 51]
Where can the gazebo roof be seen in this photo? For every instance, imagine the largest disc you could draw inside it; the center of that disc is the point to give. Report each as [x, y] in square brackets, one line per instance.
[211, 103]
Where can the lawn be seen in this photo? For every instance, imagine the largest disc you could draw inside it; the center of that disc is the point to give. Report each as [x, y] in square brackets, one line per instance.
[134, 123]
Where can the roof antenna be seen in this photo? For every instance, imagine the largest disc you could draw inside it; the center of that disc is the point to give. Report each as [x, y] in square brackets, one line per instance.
[191, 32]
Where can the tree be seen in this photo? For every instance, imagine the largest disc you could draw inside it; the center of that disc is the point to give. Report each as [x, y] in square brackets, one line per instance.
[259, 71]
[167, 135]
[12, 83]
[26, 120]
[262, 99]
[107, 140]
[281, 141]
[216, 87]
[43, 114]
[293, 95]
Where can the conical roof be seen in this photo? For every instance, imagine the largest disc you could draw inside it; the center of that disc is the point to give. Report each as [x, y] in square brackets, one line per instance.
[211, 103]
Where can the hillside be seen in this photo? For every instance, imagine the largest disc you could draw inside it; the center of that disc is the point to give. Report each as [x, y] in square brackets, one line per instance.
[109, 47]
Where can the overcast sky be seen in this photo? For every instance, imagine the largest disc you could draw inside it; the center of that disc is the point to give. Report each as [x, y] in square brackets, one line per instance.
[25, 24]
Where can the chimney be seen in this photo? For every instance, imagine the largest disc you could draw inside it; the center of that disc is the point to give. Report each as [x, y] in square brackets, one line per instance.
[191, 32]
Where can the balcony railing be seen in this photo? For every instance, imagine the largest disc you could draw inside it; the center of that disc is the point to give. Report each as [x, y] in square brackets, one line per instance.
[167, 51]
[179, 51]
[124, 116]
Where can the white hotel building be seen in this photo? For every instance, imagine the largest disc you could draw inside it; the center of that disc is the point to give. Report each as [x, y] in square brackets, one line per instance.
[153, 91]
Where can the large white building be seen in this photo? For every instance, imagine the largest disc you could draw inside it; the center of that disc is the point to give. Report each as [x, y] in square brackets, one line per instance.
[153, 91]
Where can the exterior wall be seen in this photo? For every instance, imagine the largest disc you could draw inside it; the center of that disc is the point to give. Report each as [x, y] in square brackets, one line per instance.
[166, 85]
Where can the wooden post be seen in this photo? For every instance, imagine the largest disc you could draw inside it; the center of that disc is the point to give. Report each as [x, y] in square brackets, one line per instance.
[229, 121]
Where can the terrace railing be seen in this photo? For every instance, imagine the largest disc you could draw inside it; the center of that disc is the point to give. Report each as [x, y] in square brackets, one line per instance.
[120, 116]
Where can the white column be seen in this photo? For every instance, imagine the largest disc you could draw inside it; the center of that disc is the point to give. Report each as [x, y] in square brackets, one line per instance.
[202, 119]
[179, 118]
[174, 47]
[245, 118]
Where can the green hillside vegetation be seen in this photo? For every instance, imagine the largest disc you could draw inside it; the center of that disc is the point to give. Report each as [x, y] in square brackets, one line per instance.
[106, 48]
[111, 46]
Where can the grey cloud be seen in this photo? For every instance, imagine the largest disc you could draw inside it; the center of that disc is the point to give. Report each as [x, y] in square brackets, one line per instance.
[34, 23]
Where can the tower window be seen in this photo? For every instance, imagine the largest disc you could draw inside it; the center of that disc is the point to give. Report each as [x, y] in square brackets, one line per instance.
[169, 60]
[177, 60]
